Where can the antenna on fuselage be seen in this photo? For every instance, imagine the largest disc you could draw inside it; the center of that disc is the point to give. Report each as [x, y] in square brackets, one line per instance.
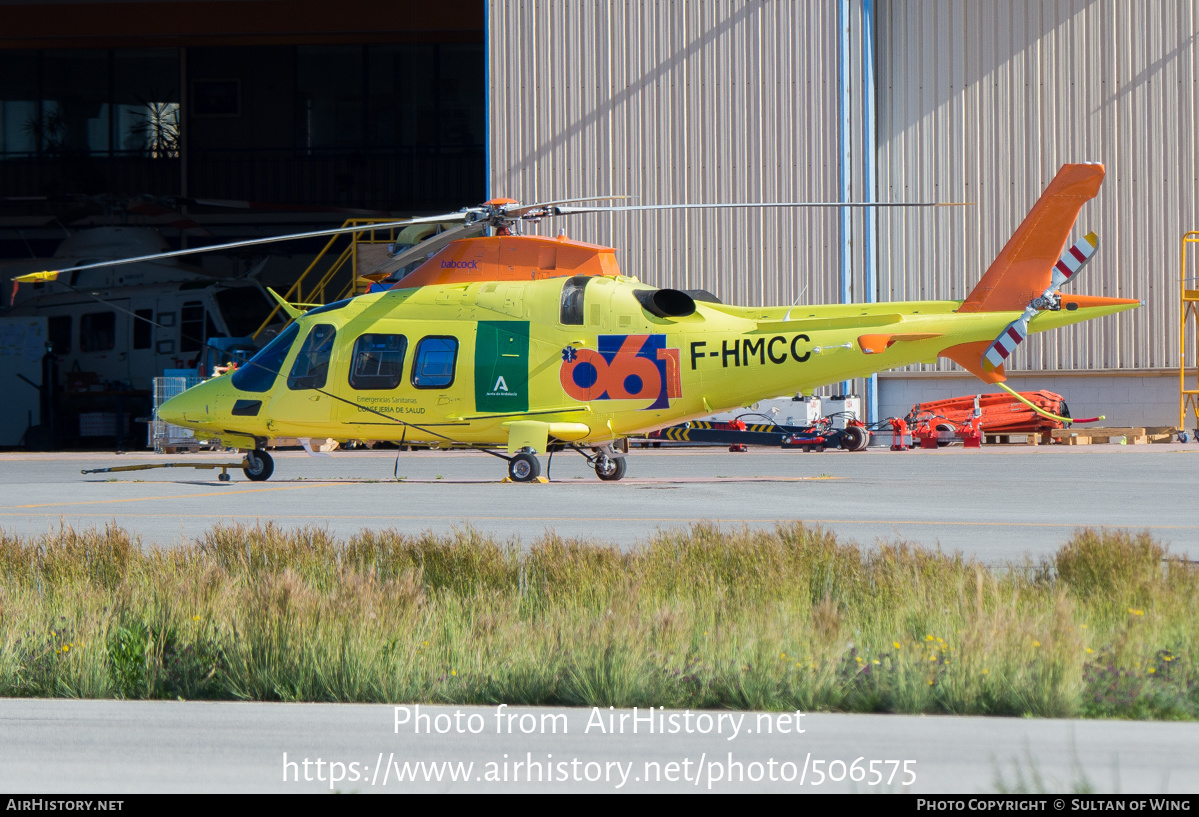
[787, 317]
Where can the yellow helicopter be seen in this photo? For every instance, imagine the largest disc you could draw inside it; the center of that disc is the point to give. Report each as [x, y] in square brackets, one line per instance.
[522, 345]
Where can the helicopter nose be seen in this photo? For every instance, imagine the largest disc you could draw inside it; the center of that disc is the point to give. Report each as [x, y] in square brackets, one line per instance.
[186, 406]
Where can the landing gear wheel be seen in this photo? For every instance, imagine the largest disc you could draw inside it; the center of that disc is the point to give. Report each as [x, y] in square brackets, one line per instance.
[609, 469]
[524, 467]
[223, 476]
[856, 438]
[259, 465]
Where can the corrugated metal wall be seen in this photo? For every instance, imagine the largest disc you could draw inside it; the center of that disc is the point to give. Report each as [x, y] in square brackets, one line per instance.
[675, 101]
[979, 100]
[984, 101]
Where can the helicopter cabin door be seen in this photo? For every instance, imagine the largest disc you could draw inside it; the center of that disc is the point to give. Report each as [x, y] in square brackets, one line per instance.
[302, 399]
[502, 366]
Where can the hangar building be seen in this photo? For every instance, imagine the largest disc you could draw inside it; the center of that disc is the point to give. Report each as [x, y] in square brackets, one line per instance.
[890, 100]
[411, 107]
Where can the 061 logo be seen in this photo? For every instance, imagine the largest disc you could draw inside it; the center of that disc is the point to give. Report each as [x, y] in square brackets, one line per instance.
[624, 367]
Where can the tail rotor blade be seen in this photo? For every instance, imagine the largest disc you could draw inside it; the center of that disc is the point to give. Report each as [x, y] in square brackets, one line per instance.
[1074, 259]
[1011, 337]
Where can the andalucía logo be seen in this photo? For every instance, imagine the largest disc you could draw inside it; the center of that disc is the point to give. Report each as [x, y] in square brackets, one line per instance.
[500, 389]
[625, 367]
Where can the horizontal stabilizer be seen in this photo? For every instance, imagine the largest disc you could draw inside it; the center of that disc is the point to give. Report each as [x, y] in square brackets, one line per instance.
[877, 344]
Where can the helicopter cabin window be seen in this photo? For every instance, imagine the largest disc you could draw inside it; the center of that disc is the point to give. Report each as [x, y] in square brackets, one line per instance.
[142, 328]
[378, 361]
[97, 331]
[435, 360]
[59, 330]
[311, 369]
[259, 373]
[571, 308]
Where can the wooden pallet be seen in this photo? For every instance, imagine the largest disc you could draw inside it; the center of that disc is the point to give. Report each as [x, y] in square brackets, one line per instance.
[1018, 438]
[1136, 435]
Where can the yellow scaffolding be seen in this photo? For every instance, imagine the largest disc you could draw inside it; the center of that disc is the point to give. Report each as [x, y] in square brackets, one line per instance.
[1188, 308]
[356, 244]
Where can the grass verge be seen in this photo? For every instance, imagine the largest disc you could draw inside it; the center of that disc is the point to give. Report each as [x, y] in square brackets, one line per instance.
[698, 617]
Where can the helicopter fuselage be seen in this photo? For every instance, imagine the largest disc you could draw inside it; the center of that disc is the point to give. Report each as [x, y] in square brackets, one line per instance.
[583, 361]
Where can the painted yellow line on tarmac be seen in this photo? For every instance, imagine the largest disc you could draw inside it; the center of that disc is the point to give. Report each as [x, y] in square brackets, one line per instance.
[175, 496]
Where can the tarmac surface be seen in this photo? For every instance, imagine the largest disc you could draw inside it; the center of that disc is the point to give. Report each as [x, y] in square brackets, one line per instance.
[169, 746]
[1000, 504]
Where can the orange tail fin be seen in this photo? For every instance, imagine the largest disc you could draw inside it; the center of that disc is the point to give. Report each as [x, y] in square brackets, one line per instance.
[1024, 268]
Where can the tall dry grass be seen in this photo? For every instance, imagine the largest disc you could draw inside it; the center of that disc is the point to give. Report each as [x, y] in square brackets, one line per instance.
[698, 617]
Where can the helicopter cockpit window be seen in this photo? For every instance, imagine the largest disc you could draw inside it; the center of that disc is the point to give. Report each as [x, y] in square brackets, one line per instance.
[311, 369]
[378, 361]
[259, 373]
[434, 362]
[571, 310]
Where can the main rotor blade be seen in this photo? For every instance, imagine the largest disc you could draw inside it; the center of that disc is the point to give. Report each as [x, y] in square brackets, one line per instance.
[247, 243]
[569, 211]
[515, 212]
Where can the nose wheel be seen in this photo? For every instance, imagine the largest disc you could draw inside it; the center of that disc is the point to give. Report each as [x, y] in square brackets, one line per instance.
[258, 465]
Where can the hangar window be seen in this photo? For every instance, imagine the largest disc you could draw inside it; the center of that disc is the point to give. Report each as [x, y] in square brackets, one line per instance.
[311, 369]
[435, 360]
[258, 374]
[378, 361]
